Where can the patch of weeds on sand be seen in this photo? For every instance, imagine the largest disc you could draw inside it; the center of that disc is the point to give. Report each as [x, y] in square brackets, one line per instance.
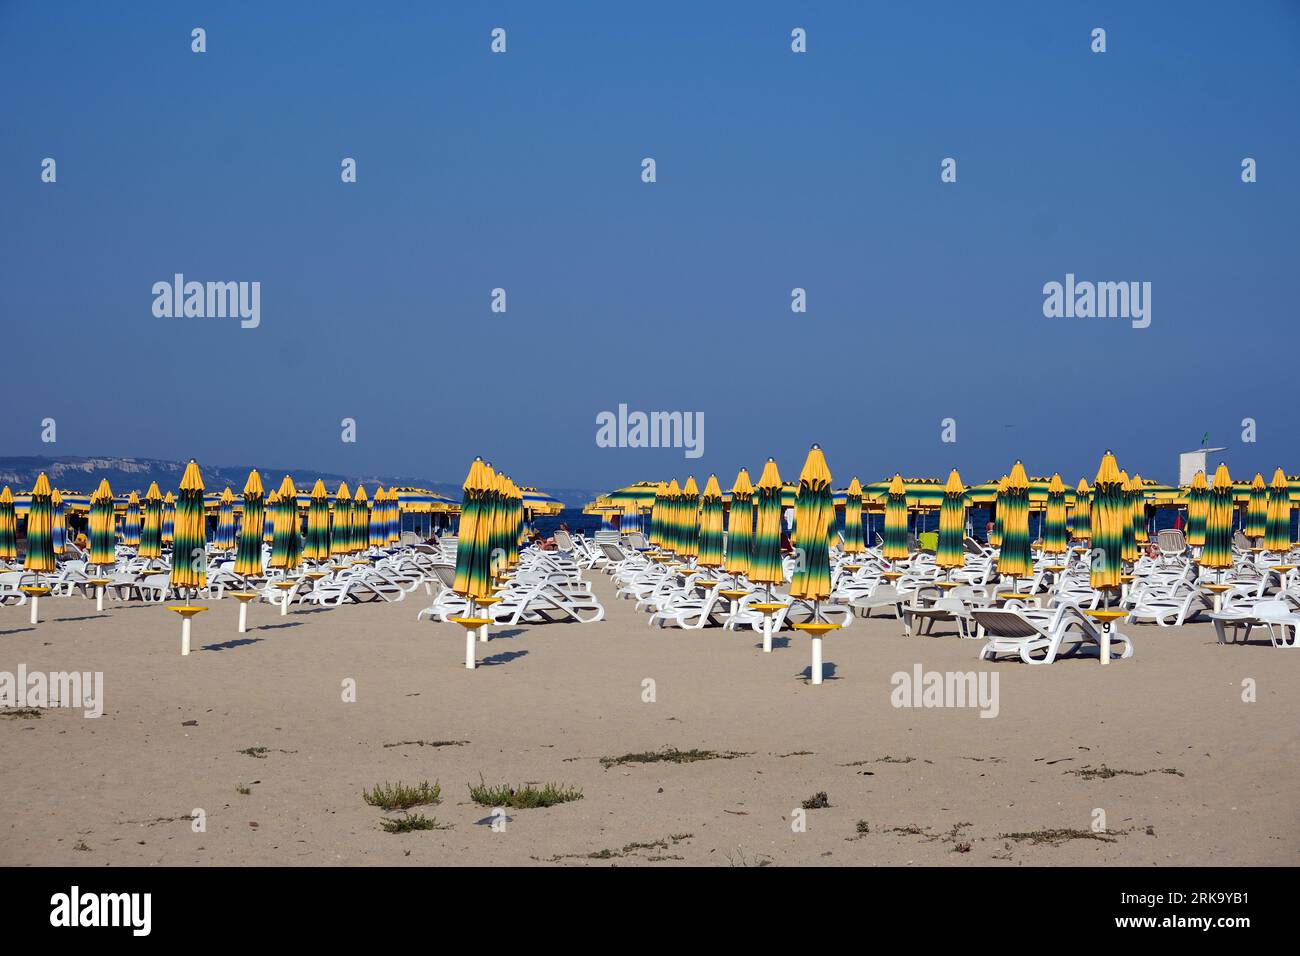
[80, 845]
[1056, 837]
[243, 791]
[891, 759]
[258, 752]
[409, 822]
[526, 797]
[428, 743]
[671, 755]
[631, 849]
[863, 828]
[399, 796]
[21, 713]
[1105, 773]
[951, 835]
[740, 858]
[818, 801]
[798, 753]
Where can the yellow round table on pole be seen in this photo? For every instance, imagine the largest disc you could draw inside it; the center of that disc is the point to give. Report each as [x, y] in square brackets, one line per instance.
[816, 630]
[284, 587]
[486, 602]
[1107, 619]
[35, 593]
[470, 624]
[768, 611]
[243, 597]
[186, 611]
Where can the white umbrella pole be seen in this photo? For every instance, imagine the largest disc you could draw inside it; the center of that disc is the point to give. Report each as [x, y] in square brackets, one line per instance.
[185, 636]
[816, 660]
[243, 617]
[36, 601]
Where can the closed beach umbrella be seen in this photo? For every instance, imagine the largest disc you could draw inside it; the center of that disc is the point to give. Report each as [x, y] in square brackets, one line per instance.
[131, 524]
[740, 524]
[659, 516]
[248, 559]
[40, 529]
[1217, 552]
[103, 539]
[951, 552]
[1128, 550]
[895, 543]
[169, 519]
[765, 563]
[151, 524]
[341, 531]
[1138, 489]
[673, 517]
[379, 519]
[318, 524]
[189, 553]
[394, 517]
[60, 522]
[1080, 518]
[1014, 559]
[1054, 519]
[1277, 532]
[286, 546]
[995, 536]
[853, 542]
[1257, 509]
[473, 561]
[710, 525]
[1110, 515]
[224, 540]
[1198, 507]
[8, 526]
[688, 540]
[268, 523]
[360, 519]
[814, 510]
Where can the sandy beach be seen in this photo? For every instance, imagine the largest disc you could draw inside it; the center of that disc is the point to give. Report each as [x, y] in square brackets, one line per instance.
[1203, 777]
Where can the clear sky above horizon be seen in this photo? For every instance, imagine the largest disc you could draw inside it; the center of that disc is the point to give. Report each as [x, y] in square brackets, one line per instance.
[775, 170]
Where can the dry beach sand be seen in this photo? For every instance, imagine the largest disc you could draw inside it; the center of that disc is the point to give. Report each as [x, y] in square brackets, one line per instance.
[1205, 778]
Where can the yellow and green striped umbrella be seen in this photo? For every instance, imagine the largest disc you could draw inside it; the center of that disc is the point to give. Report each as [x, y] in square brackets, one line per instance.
[103, 537]
[689, 518]
[473, 558]
[765, 564]
[131, 523]
[151, 524]
[659, 517]
[341, 532]
[951, 551]
[318, 524]
[895, 544]
[1257, 509]
[248, 559]
[268, 525]
[1110, 515]
[40, 529]
[1198, 508]
[853, 542]
[1054, 541]
[224, 539]
[710, 525]
[8, 526]
[740, 524]
[1080, 517]
[394, 516]
[1277, 532]
[378, 536]
[814, 510]
[360, 519]
[60, 533]
[1217, 552]
[995, 536]
[1128, 550]
[286, 545]
[1014, 559]
[169, 518]
[1139, 503]
[673, 518]
[189, 553]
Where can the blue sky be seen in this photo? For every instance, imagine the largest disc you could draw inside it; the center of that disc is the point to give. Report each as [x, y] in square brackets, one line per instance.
[775, 170]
